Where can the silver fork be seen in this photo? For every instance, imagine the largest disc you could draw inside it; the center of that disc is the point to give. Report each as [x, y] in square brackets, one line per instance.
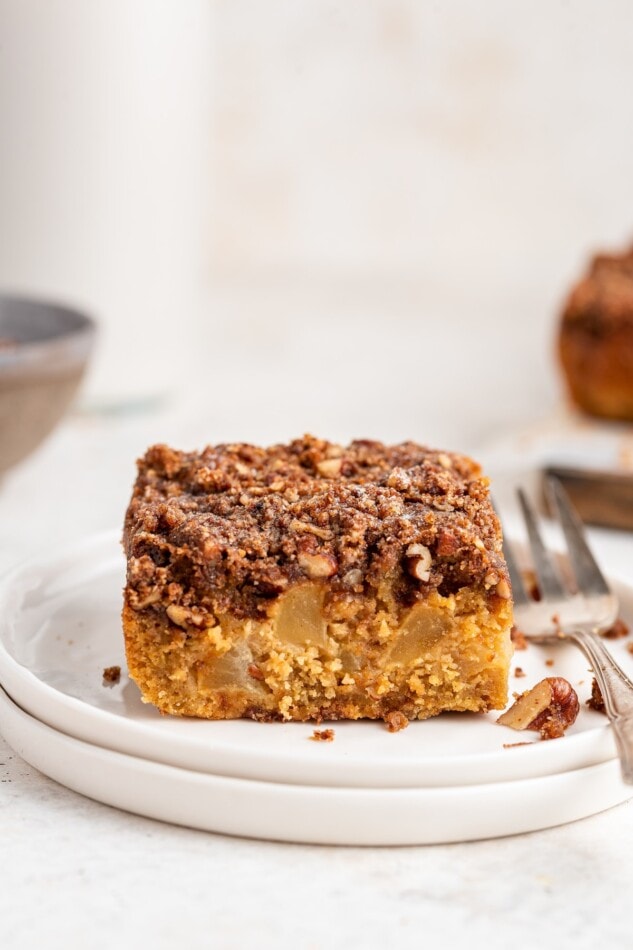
[579, 615]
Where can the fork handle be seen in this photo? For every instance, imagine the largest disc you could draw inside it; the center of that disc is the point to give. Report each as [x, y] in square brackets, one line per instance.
[617, 692]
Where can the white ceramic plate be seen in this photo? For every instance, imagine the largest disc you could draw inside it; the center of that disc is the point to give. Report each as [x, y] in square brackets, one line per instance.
[60, 626]
[311, 814]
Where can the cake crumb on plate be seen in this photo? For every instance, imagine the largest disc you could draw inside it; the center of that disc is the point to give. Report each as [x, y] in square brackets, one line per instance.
[322, 735]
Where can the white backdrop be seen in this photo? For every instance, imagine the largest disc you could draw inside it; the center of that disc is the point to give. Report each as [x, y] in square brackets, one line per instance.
[371, 208]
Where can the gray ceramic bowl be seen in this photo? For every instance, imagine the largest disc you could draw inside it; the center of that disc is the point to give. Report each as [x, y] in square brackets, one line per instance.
[44, 351]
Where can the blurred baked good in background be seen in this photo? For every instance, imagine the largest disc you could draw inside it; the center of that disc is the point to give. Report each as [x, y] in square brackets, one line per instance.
[596, 338]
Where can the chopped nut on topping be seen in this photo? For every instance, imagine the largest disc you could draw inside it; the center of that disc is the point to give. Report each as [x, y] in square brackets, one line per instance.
[420, 561]
[140, 603]
[304, 527]
[399, 479]
[549, 708]
[177, 615]
[503, 589]
[418, 550]
[334, 451]
[330, 468]
[322, 735]
[448, 542]
[353, 578]
[317, 565]
[185, 616]
[255, 672]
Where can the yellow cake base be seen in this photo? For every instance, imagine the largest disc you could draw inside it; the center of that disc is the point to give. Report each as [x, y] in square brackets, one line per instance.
[318, 658]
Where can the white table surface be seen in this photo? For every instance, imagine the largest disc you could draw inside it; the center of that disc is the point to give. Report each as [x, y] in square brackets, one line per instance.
[74, 873]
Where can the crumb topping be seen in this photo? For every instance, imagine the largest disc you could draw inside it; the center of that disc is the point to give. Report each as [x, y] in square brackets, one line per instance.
[247, 523]
[604, 296]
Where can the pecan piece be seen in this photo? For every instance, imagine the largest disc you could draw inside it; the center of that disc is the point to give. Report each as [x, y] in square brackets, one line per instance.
[596, 701]
[503, 589]
[619, 629]
[419, 561]
[317, 565]
[448, 543]
[185, 616]
[330, 468]
[549, 708]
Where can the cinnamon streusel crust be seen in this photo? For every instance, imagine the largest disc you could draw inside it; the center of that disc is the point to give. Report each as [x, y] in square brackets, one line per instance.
[314, 581]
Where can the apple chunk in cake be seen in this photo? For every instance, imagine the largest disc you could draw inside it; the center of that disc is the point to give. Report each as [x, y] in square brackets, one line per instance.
[315, 581]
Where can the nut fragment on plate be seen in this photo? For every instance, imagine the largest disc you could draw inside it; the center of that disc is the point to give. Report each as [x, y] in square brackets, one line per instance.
[596, 701]
[618, 630]
[549, 708]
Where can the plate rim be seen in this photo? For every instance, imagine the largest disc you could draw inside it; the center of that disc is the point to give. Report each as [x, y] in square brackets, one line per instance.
[311, 814]
[70, 715]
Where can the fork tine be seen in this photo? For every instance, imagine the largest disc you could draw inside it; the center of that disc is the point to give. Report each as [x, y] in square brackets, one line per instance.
[548, 579]
[520, 595]
[588, 575]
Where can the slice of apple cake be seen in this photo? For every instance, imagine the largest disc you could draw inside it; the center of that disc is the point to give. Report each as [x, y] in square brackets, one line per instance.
[313, 581]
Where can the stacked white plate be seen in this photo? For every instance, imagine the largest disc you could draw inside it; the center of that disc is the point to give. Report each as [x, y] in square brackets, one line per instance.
[453, 778]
